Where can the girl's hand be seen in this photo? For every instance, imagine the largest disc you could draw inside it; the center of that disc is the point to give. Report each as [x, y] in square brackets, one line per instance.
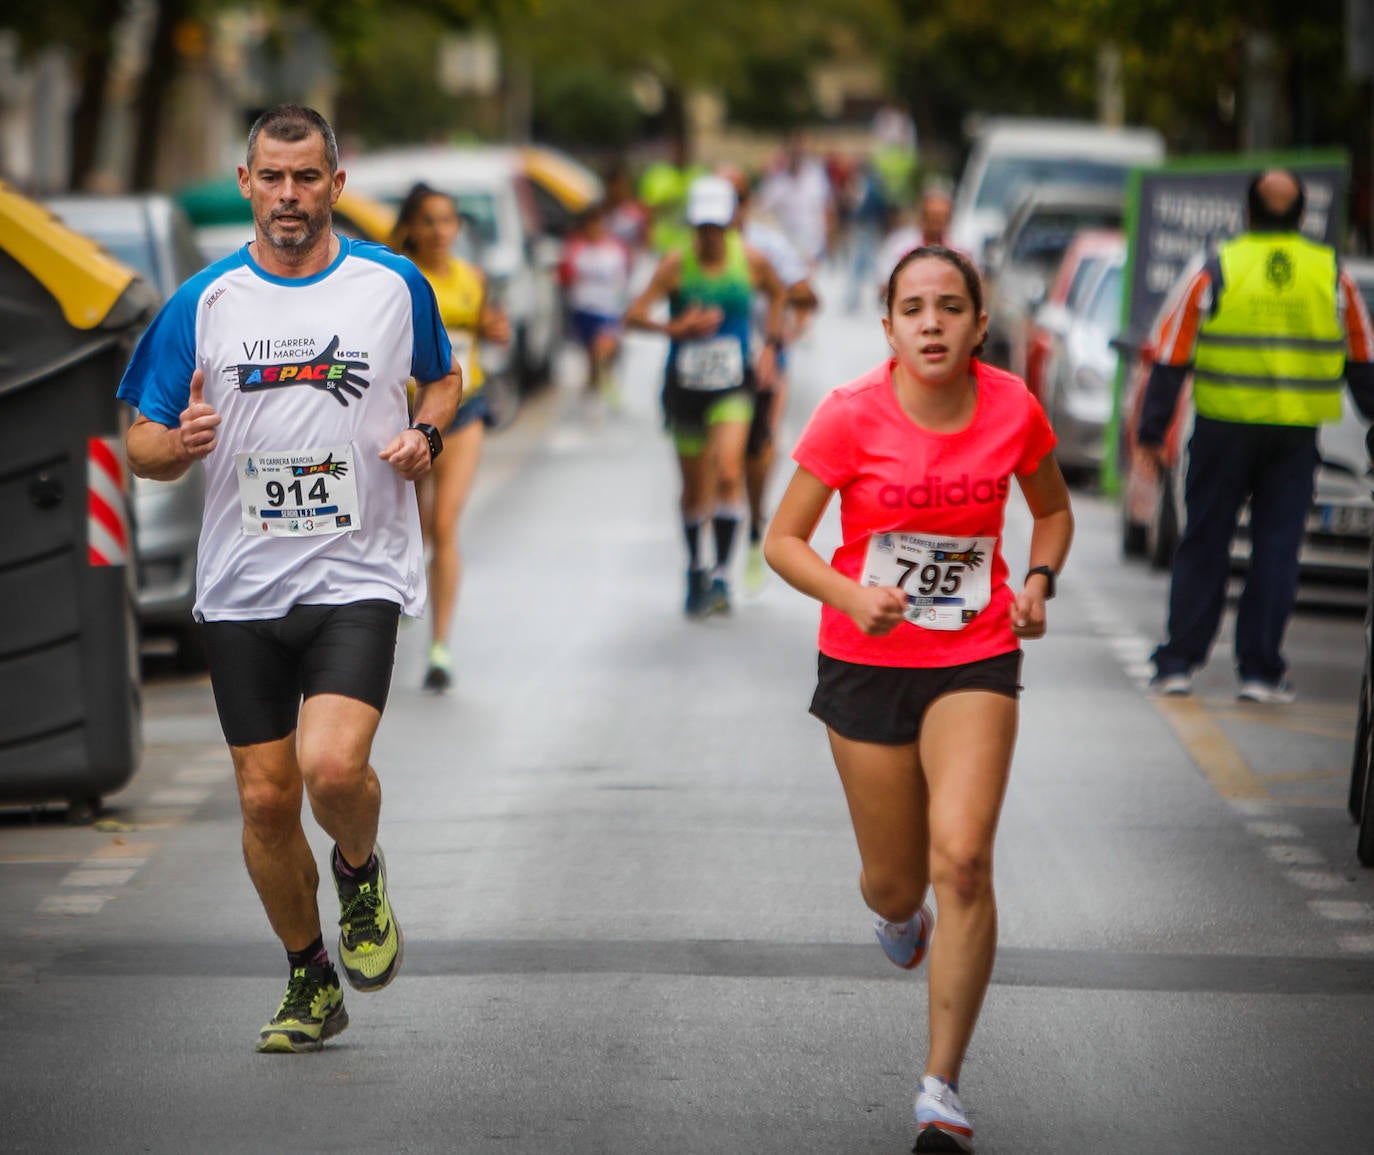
[1028, 614]
[877, 610]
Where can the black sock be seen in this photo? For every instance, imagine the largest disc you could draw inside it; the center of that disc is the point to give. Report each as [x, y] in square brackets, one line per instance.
[365, 873]
[312, 956]
[755, 532]
[724, 525]
[691, 530]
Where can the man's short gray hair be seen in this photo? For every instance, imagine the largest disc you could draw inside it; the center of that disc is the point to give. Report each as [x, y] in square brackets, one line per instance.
[290, 123]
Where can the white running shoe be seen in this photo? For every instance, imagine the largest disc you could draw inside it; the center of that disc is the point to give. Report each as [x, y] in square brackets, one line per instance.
[905, 943]
[1269, 693]
[941, 1124]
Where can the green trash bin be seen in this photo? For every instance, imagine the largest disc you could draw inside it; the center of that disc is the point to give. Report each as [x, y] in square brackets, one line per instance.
[70, 690]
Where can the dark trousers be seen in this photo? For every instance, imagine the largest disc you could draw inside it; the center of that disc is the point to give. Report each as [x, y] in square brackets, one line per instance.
[1274, 466]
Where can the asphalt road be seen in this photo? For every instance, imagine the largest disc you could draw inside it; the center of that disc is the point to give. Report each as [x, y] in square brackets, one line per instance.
[627, 879]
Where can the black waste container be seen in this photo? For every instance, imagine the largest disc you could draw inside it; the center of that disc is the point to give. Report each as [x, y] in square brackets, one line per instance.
[70, 694]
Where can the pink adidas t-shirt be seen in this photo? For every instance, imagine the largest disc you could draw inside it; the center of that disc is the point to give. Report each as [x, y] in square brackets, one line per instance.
[895, 477]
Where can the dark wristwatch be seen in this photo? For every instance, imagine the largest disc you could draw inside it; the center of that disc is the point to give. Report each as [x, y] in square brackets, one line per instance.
[1049, 578]
[436, 443]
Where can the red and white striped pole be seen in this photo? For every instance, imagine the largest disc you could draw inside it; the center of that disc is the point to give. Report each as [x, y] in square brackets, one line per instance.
[107, 511]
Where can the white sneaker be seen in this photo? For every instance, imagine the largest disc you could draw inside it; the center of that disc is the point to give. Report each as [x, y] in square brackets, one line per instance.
[941, 1124]
[1270, 693]
[905, 943]
[1172, 685]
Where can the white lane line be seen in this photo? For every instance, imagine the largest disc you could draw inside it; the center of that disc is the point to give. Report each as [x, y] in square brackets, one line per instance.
[1356, 943]
[72, 903]
[99, 878]
[1295, 855]
[1340, 910]
[1274, 829]
[206, 775]
[178, 796]
[1316, 879]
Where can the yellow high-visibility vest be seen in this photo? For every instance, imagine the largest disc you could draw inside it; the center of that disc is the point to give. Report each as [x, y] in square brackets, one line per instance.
[1274, 351]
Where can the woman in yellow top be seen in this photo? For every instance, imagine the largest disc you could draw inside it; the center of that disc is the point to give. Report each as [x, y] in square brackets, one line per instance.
[426, 228]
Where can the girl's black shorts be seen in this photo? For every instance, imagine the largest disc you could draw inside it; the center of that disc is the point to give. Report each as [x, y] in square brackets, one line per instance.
[261, 670]
[885, 704]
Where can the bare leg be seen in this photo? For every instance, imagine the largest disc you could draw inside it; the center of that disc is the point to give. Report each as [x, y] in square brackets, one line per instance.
[965, 749]
[887, 804]
[334, 743]
[279, 858]
[453, 472]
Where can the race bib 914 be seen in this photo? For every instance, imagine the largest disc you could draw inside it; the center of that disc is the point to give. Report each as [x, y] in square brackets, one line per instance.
[947, 580]
[298, 492]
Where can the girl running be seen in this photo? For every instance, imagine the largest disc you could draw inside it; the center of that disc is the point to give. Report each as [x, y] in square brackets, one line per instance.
[426, 228]
[920, 632]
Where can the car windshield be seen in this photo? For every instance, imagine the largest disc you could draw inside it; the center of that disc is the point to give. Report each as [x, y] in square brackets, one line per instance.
[1083, 278]
[1006, 176]
[1045, 236]
[132, 247]
[1105, 307]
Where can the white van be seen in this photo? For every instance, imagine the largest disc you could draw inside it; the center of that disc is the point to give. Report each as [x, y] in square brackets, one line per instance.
[1011, 154]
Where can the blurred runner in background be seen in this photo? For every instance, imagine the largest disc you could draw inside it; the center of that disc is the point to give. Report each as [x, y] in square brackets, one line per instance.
[595, 275]
[711, 377]
[770, 402]
[798, 196]
[427, 227]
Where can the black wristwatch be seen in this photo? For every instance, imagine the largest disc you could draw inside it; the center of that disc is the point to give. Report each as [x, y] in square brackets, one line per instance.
[1049, 578]
[436, 443]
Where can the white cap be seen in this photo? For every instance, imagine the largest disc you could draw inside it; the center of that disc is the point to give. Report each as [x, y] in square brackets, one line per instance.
[711, 201]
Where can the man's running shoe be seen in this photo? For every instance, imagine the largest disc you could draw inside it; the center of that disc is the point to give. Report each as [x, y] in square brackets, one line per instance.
[439, 675]
[906, 943]
[718, 597]
[312, 1011]
[698, 594]
[755, 570]
[941, 1124]
[370, 941]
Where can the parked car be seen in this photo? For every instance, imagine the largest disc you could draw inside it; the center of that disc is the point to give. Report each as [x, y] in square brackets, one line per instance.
[1080, 378]
[1077, 273]
[1022, 261]
[1010, 155]
[152, 235]
[563, 187]
[496, 199]
[1336, 544]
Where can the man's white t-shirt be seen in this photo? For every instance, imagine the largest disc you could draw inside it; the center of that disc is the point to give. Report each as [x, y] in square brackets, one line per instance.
[293, 365]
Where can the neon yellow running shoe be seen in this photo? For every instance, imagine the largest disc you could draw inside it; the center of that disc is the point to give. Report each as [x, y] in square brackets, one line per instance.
[370, 941]
[312, 1011]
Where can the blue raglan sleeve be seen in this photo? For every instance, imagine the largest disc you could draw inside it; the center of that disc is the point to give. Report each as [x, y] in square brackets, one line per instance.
[432, 356]
[157, 381]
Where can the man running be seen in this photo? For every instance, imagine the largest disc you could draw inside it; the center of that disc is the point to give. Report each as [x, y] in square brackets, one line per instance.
[710, 382]
[284, 368]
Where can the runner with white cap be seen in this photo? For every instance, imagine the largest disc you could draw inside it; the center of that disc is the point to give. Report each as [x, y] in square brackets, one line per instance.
[709, 383]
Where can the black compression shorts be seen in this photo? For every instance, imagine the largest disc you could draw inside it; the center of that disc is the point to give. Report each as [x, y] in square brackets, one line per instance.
[261, 670]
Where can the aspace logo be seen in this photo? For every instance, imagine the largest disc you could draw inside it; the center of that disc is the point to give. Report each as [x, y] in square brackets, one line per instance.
[328, 466]
[937, 492]
[330, 371]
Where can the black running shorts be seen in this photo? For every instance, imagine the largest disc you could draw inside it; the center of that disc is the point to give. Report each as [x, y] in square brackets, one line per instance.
[885, 704]
[761, 428]
[261, 670]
